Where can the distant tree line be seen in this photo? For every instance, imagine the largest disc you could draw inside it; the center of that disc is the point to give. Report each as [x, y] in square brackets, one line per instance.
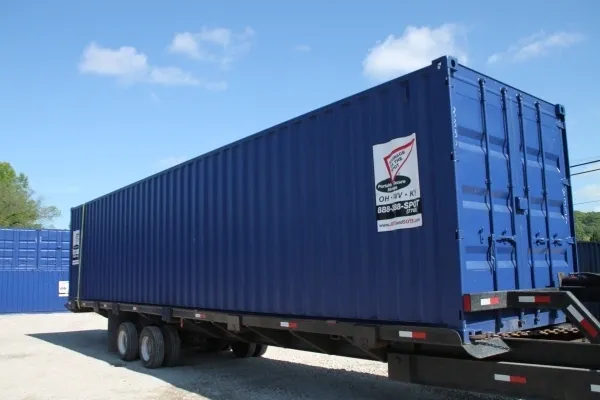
[587, 226]
[19, 206]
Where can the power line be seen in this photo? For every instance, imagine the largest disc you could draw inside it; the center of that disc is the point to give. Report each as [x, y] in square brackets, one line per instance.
[587, 202]
[584, 159]
[585, 163]
[586, 172]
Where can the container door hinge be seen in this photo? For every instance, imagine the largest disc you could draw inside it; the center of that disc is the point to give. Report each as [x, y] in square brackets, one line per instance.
[504, 238]
[566, 182]
[459, 234]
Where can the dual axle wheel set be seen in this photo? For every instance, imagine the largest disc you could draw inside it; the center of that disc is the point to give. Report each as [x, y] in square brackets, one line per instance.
[160, 346]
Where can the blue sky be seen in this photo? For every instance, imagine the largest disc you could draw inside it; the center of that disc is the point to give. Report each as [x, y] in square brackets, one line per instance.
[96, 95]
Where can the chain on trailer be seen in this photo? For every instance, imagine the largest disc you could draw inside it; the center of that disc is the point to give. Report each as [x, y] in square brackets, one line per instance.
[555, 333]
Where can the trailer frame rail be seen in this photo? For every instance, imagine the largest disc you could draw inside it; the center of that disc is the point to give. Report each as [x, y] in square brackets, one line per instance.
[425, 355]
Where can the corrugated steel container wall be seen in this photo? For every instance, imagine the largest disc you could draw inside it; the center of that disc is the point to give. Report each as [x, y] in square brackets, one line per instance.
[34, 270]
[286, 221]
[589, 256]
[589, 261]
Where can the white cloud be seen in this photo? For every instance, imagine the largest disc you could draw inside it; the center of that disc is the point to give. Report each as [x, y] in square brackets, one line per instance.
[184, 43]
[171, 76]
[121, 62]
[218, 45]
[537, 45]
[416, 48]
[303, 48]
[131, 66]
[171, 161]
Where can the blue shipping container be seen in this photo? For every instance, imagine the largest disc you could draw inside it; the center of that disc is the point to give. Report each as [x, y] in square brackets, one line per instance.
[388, 205]
[34, 270]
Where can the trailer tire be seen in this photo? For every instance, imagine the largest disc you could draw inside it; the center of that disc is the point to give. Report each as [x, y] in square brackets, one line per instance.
[243, 350]
[127, 341]
[260, 351]
[152, 347]
[172, 345]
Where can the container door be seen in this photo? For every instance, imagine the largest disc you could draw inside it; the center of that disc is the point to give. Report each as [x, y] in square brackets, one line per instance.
[543, 201]
[514, 212]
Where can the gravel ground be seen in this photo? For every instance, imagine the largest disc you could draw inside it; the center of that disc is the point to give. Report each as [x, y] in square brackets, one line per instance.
[63, 357]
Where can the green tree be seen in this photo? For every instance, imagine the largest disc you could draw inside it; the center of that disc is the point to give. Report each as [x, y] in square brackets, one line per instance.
[587, 226]
[19, 208]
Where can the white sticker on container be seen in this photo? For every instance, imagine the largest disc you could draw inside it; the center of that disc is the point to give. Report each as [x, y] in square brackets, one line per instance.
[397, 188]
[63, 288]
[75, 247]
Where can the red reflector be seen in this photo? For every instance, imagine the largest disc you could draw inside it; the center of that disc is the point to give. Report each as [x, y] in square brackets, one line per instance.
[542, 299]
[467, 303]
[489, 301]
[412, 335]
[419, 335]
[290, 325]
[588, 327]
[510, 378]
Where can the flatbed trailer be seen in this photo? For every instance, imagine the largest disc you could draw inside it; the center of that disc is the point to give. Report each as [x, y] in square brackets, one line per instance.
[560, 362]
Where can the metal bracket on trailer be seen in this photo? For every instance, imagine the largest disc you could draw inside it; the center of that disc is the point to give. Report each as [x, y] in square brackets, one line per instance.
[551, 299]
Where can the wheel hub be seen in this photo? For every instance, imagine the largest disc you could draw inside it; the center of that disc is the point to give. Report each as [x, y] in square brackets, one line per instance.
[145, 348]
[122, 342]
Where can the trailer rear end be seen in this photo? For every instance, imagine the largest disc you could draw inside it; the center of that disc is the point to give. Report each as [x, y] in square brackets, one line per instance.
[426, 223]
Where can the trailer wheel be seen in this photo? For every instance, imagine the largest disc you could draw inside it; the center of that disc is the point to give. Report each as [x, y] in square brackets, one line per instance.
[127, 341]
[243, 350]
[260, 351]
[172, 345]
[152, 347]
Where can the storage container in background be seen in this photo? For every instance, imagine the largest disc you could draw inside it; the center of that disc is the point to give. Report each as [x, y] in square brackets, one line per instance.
[589, 257]
[386, 206]
[34, 270]
[588, 254]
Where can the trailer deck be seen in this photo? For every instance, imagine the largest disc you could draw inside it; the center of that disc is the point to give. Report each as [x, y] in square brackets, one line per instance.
[559, 362]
